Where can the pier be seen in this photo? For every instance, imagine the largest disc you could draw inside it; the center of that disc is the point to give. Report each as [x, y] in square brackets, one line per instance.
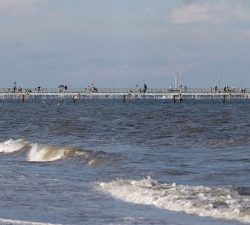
[125, 93]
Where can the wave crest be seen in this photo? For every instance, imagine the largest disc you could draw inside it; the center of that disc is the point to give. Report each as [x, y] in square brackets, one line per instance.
[223, 203]
[46, 153]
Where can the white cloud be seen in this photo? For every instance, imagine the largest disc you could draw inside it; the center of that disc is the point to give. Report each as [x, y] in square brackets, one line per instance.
[191, 13]
[19, 6]
[210, 11]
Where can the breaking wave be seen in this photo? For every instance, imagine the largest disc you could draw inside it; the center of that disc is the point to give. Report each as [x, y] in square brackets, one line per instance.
[47, 153]
[223, 203]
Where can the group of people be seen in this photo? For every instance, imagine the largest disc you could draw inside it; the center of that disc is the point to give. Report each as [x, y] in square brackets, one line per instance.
[91, 88]
[62, 88]
[143, 89]
[226, 89]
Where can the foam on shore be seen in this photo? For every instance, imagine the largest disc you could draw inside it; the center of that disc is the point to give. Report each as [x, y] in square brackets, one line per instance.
[216, 202]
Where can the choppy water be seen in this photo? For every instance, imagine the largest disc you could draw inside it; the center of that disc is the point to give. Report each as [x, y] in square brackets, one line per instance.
[143, 162]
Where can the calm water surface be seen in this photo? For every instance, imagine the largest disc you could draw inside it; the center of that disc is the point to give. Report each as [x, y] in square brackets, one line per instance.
[143, 162]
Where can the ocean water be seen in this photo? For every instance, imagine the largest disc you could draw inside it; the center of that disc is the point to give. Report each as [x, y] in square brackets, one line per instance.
[140, 162]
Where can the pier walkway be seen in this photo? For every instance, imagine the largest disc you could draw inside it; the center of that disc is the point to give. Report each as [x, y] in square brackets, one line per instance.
[130, 93]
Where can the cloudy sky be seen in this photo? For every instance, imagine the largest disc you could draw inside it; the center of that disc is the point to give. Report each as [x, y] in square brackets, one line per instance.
[121, 43]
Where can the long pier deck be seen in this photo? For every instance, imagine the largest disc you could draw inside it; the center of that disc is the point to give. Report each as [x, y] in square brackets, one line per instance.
[126, 93]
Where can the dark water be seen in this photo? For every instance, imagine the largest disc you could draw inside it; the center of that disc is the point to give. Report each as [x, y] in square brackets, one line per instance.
[143, 162]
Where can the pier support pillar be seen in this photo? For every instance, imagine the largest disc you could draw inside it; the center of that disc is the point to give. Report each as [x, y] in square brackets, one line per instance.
[180, 97]
[124, 98]
[76, 98]
[23, 98]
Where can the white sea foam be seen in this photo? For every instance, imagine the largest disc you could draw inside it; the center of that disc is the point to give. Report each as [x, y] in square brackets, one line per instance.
[11, 145]
[223, 203]
[19, 222]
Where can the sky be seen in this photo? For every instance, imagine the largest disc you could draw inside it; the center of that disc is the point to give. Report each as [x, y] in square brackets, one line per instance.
[124, 43]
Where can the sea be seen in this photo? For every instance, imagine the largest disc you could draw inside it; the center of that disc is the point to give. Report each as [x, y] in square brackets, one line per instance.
[139, 162]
